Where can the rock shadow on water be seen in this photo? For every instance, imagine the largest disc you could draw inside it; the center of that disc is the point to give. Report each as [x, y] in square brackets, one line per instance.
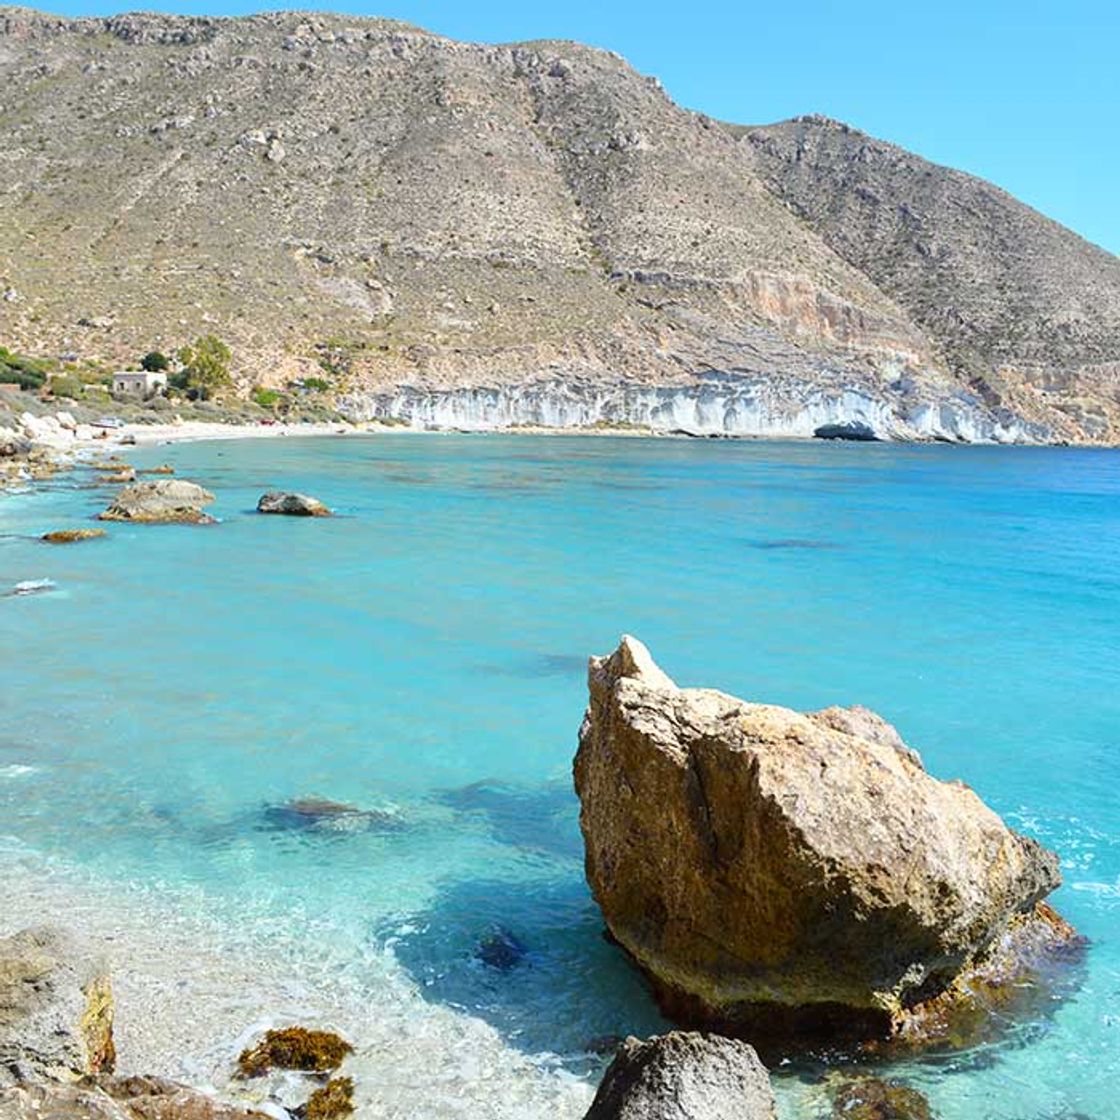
[529, 958]
[537, 819]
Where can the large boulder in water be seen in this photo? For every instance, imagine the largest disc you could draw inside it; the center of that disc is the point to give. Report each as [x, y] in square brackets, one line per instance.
[683, 1076]
[56, 1009]
[161, 501]
[801, 871]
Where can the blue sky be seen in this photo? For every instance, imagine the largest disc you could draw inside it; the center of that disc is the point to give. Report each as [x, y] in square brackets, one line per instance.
[1026, 94]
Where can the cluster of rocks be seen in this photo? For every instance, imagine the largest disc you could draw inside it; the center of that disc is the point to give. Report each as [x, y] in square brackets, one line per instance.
[781, 879]
[33, 448]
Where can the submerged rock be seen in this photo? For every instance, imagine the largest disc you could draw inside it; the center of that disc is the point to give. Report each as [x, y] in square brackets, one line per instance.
[319, 814]
[501, 950]
[869, 1098]
[161, 501]
[294, 1048]
[801, 871]
[70, 536]
[56, 1009]
[293, 505]
[684, 1076]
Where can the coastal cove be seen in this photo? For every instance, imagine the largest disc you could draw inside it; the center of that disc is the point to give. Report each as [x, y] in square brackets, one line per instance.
[422, 656]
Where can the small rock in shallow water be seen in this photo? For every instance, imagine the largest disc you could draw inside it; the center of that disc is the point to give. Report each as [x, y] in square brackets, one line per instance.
[32, 587]
[69, 536]
[501, 950]
[294, 1048]
[292, 505]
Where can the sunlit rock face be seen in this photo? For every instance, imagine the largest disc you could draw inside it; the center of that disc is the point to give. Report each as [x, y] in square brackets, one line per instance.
[800, 870]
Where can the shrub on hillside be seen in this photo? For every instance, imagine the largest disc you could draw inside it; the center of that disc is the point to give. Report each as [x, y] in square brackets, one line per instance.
[18, 369]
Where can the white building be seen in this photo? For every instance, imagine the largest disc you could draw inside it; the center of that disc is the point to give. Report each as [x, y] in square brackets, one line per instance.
[138, 382]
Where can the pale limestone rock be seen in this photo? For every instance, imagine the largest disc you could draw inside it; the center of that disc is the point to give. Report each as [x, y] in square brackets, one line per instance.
[160, 501]
[56, 1009]
[684, 1076]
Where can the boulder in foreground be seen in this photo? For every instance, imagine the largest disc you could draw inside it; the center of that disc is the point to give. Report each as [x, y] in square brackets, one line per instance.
[293, 505]
[682, 1076]
[797, 872]
[161, 501]
[56, 1009]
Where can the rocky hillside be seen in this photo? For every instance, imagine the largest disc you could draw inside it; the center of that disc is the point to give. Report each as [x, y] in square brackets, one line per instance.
[466, 234]
[1008, 295]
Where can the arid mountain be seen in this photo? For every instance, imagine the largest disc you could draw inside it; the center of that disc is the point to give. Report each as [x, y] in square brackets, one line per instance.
[474, 234]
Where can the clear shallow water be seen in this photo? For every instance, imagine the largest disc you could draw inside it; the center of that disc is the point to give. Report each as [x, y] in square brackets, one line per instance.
[423, 656]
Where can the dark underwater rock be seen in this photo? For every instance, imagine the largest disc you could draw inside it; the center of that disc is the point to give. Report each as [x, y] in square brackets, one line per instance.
[319, 814]
[501, 950]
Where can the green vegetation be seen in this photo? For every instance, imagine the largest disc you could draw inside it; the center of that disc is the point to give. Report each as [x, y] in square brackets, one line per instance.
[294, 1048]
[266, 398]
[315, 384]
[65, 385]
[27, 373]
[205, 368]
[154, 362]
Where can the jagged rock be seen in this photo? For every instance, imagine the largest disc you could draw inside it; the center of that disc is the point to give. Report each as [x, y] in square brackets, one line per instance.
[56, 1009]
[70, 536]
[294, 505]
[161, 501]
[684, 1076]
[799, 869]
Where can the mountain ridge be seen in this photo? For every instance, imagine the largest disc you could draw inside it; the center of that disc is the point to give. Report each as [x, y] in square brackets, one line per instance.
[426, 219]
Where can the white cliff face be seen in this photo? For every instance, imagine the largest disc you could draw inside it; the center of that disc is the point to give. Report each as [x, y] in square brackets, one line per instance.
[724, 407]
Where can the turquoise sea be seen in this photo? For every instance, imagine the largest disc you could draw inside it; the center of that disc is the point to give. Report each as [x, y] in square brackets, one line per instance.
[422, 656]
